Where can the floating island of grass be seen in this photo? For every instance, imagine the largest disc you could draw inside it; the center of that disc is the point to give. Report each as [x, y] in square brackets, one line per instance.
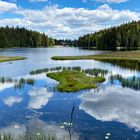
[125, 55]
[11, 58]
[72, 81]
[125, 59]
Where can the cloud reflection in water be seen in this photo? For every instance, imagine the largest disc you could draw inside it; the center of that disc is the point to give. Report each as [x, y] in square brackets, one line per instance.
[38, 97]
[37, 127]
[12, 100]
[113, 103]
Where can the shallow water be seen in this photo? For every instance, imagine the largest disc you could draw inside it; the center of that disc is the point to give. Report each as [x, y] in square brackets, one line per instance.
[108, 112]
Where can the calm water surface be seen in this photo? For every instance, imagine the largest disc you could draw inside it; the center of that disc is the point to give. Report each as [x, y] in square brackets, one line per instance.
[108, 112]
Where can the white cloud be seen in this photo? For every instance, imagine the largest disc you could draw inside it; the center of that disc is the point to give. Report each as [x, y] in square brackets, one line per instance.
[6, 6]
[38, 0]
[38, 98]
[70, 22]
[12, 100]
[111, 1]
[113, 104]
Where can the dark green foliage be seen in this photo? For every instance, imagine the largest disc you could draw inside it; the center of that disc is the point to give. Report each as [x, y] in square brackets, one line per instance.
[124, 37]
[21, 37]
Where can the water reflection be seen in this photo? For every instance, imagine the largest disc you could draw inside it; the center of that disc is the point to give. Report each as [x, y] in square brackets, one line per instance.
[37, 129]
[43, 101]
[5, 85]
[132, 82]
[113, 104]
[39, 97]
[12, 100]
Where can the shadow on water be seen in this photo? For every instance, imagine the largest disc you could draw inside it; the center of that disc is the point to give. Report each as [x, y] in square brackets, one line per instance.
[126, 64]
[133, 82]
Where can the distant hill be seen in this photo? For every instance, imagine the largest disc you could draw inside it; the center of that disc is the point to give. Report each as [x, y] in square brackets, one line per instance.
[21, 37]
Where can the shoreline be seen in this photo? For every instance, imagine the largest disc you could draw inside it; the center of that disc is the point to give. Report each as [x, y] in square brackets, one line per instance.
[126, 55]
[11, 58]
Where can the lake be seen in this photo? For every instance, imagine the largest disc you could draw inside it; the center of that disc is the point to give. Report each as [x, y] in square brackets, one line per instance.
[112, 111]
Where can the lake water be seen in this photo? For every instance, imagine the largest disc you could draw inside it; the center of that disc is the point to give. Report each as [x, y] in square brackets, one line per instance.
[111, 111]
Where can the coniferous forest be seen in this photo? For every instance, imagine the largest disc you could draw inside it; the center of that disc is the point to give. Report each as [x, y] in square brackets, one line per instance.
[21, 37]
[123, 37]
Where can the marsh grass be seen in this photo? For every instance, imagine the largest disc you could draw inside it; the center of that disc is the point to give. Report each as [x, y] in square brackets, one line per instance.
[133, 82]
[18, 84]
[10, 58]
[22, 137]
[92, 72]
[125, 59]
[72, 81]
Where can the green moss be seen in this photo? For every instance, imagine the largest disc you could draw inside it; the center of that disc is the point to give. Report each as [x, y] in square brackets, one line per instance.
[10, 58]
[72, 81]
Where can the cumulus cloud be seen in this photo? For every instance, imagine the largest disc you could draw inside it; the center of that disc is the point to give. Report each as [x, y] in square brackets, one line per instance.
[111, 1]
[6, 6]
[70, 22]
[38, 98]
[113, 104]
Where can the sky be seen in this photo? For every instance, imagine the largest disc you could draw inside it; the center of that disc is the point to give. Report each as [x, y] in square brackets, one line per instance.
[68, 19]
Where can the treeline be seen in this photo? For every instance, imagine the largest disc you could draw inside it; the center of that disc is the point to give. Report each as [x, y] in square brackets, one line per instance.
[21, 37]
[124, 37]
[65, 42]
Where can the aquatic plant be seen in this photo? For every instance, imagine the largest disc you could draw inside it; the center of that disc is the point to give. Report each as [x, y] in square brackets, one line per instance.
[17, 83]
[72, 81]
[133, 82]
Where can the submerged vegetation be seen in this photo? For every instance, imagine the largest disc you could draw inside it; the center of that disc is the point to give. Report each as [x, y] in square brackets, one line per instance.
[127, 59]
[10, 58]
[72, 81]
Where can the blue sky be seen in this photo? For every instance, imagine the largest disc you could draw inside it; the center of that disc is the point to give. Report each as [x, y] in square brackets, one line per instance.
[67, 18]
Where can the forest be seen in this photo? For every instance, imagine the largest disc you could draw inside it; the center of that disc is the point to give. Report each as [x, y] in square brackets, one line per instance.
[123, 37]
[21, 37]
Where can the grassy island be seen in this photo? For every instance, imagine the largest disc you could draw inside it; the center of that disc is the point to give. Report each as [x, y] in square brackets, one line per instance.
[72, 81]
[10, 58]
[125, 59]
[125, 55]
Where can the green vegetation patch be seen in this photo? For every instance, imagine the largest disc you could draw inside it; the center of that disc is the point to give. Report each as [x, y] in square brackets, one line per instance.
[125, 59]
[10, 58]
[127, 55]
[72, 81]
